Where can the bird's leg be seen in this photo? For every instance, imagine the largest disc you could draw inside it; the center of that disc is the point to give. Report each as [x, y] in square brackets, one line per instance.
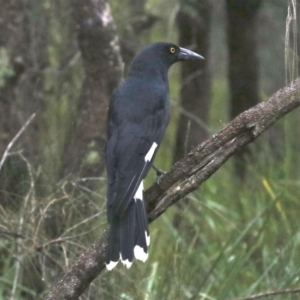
[159, 173]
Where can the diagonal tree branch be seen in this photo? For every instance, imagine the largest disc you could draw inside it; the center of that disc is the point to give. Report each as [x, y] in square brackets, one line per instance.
[184, 177]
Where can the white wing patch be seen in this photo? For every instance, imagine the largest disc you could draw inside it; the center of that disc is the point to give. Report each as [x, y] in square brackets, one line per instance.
[147, 238]
[140, 254]
[150, 153]
[139, 193]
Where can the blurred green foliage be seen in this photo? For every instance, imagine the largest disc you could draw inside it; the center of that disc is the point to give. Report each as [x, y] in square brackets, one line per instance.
[5, 69]
[62, 81]
[234, 240]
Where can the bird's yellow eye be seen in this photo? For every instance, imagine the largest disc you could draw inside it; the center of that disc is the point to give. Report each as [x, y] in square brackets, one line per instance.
[172, 50]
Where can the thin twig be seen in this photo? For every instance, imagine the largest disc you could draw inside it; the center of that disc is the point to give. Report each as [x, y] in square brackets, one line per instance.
[89, 179]
[192, 117]
[270, 293]
[27, 198]
[81, 223]
[9, 146]
[12, 234]
[187, 137]
[54, 241]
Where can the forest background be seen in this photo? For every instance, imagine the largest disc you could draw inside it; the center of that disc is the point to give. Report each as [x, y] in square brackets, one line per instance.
[237, 235]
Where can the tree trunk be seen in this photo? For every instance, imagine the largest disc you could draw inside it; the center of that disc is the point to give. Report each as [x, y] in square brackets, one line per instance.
[243, 64]
[22, 42]
[98, 43]
[194, 24]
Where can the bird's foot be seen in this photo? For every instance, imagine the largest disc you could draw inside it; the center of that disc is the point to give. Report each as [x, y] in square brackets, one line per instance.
[159, 173]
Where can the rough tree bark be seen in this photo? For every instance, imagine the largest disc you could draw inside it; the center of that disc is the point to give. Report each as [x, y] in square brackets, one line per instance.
[99, 46]
[22, 35]
[194, 24]
[243, 64]
[184, 177]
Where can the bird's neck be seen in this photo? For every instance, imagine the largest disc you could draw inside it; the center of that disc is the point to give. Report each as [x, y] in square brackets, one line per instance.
[149, 71]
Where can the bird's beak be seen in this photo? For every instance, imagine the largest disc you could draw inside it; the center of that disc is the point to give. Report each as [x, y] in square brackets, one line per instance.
[186, 54]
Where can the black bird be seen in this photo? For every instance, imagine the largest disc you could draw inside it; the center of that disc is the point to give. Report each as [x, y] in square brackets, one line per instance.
[137, 119]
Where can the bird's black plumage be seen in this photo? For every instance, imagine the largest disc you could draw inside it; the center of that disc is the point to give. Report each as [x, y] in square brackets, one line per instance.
[137, 119]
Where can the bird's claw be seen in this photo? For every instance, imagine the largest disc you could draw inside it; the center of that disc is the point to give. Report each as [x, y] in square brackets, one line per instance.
[159, 173]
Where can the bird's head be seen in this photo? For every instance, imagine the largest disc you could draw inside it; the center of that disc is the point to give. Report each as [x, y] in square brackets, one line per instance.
[163, 55]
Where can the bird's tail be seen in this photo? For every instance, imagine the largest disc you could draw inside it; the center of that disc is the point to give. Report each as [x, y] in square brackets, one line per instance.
[129, 236]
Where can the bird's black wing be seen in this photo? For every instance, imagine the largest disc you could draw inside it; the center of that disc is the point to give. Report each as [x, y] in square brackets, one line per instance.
[130, 153]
